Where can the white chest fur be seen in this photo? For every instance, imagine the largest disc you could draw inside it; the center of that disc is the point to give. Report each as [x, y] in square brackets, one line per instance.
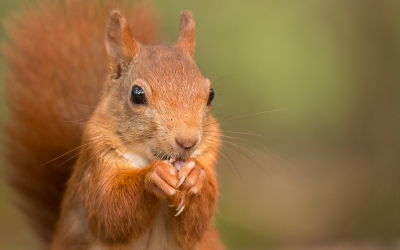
[135, 160]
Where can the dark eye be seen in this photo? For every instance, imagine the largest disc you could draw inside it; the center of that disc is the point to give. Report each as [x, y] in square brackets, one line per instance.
[210, 97]
[138, 96]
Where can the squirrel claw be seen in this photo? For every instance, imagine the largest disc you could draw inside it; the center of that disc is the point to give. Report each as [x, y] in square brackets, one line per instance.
[180, 205]
[180, 210]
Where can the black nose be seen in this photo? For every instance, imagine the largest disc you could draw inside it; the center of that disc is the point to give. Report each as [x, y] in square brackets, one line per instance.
[186, 143]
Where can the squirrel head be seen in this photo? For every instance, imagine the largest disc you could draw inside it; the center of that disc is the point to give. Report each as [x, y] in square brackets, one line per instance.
[157, 103]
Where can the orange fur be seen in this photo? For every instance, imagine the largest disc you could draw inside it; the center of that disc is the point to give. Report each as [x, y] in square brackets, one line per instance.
[187, 39]
[134, 159]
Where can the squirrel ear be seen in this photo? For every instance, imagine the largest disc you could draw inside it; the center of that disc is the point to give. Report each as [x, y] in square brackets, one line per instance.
[120, 44]
[187, 34]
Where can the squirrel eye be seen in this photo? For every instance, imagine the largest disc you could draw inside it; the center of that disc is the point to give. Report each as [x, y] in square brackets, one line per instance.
[210, 97]
[138, 96]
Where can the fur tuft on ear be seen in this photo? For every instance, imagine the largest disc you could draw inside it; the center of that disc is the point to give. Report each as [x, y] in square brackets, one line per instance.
[187, 34]
[120, 44]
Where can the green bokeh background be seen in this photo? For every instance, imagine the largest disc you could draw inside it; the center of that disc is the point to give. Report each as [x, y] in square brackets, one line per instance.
[321, 172]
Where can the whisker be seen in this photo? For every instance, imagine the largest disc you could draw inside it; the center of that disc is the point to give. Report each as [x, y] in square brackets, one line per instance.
[250, 142]
[80, 104]
[233, 74]
[245, 149]
[80, 146]
[263, 148]
[41, 165]
[240, 116]
[86, 149]
[83, 165]
[246, 156]
[226, 156]
[77, 120]
[257, 135]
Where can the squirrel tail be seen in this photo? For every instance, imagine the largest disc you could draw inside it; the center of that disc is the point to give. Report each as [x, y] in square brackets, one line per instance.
[56, 65]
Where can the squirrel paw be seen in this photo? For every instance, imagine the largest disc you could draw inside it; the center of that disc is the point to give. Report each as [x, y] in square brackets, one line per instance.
[191, 180]
[162, 180]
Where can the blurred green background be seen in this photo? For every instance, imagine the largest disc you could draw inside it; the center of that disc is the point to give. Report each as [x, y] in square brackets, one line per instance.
[322, 172]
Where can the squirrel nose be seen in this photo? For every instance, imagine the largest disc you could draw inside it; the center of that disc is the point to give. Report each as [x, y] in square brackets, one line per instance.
[186, 142]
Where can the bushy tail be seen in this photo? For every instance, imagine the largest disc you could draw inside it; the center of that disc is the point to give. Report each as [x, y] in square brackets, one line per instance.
[56, 65]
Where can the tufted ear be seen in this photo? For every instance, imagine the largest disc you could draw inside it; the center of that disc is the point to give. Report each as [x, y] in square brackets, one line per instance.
[187, 34]
[120, 44]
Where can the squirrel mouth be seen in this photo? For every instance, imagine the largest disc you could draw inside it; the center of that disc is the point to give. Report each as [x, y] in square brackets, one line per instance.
[178, 161]
[178, 164]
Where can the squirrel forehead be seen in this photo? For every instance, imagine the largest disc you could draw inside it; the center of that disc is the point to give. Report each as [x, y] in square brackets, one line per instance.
[167, 65]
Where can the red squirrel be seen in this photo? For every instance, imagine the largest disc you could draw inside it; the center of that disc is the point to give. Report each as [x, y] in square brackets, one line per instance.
[117, 160]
